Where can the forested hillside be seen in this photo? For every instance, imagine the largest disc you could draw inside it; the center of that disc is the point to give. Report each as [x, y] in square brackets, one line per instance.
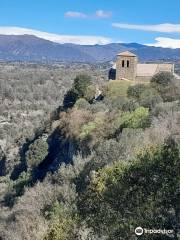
[100, 166]
[29, 94]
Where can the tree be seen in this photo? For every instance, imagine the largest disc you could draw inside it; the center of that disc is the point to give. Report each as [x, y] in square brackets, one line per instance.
[90, 93]
[62, 228]
[82, 103]
[81, 82]
[149, 98]
[139, 118]
[36, 153]
[164, 83]
[136, 90]
[78, 90]
[87, 129]
[162, 78]
[143, 192]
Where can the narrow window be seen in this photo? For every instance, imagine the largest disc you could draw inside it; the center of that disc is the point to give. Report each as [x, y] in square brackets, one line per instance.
[122, 63]
[127, 63]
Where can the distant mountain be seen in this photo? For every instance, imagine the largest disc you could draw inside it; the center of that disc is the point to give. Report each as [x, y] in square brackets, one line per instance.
[31, 48]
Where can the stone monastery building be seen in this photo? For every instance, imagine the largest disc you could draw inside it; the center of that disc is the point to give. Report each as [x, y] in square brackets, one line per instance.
[128, 67]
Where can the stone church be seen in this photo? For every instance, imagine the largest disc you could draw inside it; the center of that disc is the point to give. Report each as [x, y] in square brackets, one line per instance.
[127, 67]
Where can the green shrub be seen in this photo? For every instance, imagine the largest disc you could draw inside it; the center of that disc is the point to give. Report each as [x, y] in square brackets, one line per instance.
[53, 211]
[61, 229]
[16, 188]
[107, 151]
[78, 90]
[149, 98]
[82, 103]
[164, 83]
[122, 104]
[81, 82]
[23, 180]
[87, 129]
[116, 103]
[162, 78]
[90, 93]
[136, 119]
[130, 105]
[36, 153]
[164, 108]
[98, 107]
[136, 90]
[143, 192]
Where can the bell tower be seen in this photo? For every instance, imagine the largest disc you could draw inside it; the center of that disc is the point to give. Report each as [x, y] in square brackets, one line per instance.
[126, 66]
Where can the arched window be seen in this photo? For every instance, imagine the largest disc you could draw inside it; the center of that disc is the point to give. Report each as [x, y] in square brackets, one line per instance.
[122, 63]
[127, 63]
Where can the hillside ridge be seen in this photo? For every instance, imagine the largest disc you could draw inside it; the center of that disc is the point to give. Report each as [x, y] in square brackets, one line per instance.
[32, 48]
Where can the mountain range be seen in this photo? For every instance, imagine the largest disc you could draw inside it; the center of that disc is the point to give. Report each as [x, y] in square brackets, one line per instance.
[32, 48]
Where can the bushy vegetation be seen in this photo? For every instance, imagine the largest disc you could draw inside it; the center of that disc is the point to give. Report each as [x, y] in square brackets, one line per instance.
[98, 168]
[143, 192]
[164, 83]
[36, 153]
[80, 88]
[30, 93]
[136, 119]
[136, 90]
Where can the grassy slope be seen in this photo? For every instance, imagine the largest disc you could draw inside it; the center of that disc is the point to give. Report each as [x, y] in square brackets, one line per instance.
[118, 88]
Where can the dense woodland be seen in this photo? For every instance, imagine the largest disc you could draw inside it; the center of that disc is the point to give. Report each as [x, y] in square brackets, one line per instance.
[29, 93]
[75, 166]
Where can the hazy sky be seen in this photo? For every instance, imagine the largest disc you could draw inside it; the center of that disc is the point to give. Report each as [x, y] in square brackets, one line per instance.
[95, 21]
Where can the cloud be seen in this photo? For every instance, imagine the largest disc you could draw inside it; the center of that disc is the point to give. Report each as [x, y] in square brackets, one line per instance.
[97, 14]
[82, 40]
[164, 27]
[103, 14]
[166, 42]
[72, 14]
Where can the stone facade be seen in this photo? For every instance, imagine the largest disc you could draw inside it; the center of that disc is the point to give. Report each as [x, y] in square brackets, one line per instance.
[127, 67]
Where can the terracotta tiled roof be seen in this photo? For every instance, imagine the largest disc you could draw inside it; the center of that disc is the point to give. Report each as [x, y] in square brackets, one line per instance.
[151, 69]
[146, 69]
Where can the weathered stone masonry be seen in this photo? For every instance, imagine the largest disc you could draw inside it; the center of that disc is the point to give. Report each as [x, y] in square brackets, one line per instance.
[127, 67]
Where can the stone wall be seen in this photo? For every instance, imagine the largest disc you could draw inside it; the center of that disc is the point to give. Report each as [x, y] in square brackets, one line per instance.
[126, 72]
